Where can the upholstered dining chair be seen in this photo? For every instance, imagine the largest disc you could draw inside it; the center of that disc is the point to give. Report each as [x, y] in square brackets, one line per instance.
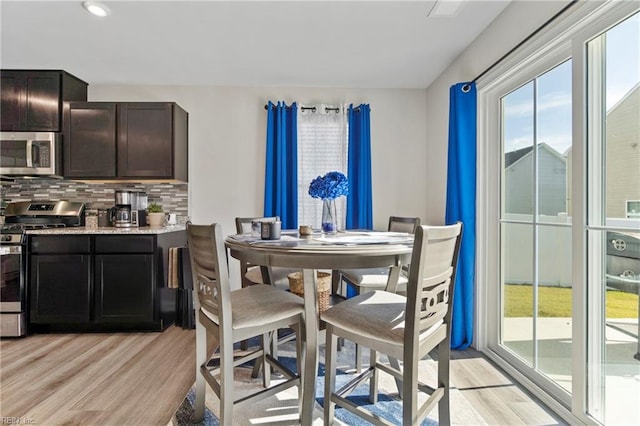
[402, 327]
[363, 280]
[252, 274]
[228, 317]
[366, 280]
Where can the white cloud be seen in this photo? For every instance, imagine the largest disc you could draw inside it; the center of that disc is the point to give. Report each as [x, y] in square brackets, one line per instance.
[514, 144]
[550, 101]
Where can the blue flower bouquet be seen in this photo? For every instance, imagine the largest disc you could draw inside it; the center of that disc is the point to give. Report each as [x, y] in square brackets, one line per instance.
[329, 187]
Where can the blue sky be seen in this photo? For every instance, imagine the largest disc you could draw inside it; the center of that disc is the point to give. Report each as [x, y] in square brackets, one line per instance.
[554, 92]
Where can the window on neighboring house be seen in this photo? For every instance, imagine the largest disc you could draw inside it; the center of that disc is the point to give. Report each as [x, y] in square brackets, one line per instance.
[633, 209]
[323, 134]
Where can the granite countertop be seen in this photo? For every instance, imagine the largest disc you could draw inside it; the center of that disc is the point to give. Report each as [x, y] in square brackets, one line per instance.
[78, 230]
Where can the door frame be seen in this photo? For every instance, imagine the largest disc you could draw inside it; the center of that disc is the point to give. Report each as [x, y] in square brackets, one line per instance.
[565, 37]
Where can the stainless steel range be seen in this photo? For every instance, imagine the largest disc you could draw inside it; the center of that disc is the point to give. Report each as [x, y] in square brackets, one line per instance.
[20, 217]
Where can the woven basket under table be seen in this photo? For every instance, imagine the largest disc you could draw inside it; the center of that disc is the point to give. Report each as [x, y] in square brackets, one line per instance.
[323, 287]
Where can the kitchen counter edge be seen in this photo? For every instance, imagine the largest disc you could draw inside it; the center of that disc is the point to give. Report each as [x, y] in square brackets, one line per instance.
[81, 230]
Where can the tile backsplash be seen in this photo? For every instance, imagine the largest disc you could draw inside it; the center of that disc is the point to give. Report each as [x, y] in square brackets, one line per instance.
[172, 196]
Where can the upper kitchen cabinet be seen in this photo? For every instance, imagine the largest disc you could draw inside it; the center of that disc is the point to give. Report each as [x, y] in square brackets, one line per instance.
[152, 140]
[127, 140]
[33, 100]
[90, 142]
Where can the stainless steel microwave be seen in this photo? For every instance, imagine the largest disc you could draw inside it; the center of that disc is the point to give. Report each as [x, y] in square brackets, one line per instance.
[31, 154]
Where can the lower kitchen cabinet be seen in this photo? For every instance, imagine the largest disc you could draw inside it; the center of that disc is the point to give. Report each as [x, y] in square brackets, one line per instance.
[60, 288]
[125, 288]
[101, 282]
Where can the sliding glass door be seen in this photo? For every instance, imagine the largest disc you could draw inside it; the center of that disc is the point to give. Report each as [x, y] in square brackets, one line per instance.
[613, 223]
[535, 224]
[560, 241]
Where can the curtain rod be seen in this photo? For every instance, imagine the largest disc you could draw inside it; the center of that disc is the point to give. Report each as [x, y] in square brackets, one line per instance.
[466, 87]
[311, 108]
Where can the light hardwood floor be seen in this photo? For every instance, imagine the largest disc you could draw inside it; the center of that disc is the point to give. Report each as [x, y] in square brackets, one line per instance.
[96, 379]
[141, 379]
[494, 395]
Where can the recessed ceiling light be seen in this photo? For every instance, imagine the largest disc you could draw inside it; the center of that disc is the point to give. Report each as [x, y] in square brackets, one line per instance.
[96, 8]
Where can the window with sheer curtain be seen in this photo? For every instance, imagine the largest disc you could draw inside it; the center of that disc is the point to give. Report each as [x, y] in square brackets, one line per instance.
[323, 134]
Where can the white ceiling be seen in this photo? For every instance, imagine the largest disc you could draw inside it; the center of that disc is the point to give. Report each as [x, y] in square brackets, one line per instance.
[358, 44]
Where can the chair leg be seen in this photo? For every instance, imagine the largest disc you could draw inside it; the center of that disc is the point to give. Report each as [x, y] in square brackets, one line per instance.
[358, 358]
[410, 393]
[226, 384]
[201, 359]
[244, 282]
[373, 381]
[444, 354]
[274, 343]
[396, 364]
[336, 281]
[266, 350]
[257, 366]
[330, 375]
[299, 361]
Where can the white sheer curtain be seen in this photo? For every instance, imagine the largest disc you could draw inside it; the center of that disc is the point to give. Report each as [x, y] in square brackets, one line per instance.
[322, 147]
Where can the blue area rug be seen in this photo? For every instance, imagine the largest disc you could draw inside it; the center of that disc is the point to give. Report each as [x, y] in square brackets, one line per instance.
[388, 406]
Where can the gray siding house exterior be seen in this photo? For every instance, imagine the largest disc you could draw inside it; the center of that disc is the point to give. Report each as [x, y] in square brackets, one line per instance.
[623, 154]
[552, 178]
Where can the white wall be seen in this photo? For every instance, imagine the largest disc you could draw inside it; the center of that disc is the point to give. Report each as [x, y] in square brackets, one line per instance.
[512, 26]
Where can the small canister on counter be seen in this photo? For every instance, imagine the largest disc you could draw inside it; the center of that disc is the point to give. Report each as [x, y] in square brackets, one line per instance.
[91, 219]
[104, 218]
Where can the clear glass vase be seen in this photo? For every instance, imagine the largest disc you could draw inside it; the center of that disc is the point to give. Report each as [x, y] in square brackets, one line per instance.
[329, 217]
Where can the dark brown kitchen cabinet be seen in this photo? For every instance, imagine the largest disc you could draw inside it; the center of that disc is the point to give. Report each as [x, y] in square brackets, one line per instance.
[59, 279]
[34, 100]
[149, 140]
[60, 288]
[125, 278]
[99, 282]
[125, 288]
[90, 145]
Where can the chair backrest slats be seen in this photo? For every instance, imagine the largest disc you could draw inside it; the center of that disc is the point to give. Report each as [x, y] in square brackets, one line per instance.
[435, 303]
[403, 224]
[428, 282]
[432, 279]
[209, 269]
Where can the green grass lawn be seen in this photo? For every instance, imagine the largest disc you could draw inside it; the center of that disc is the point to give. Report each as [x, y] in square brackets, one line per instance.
[556, 302]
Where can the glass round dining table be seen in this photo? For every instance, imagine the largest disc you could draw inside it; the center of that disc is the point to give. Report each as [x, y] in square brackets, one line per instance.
[345, 250]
